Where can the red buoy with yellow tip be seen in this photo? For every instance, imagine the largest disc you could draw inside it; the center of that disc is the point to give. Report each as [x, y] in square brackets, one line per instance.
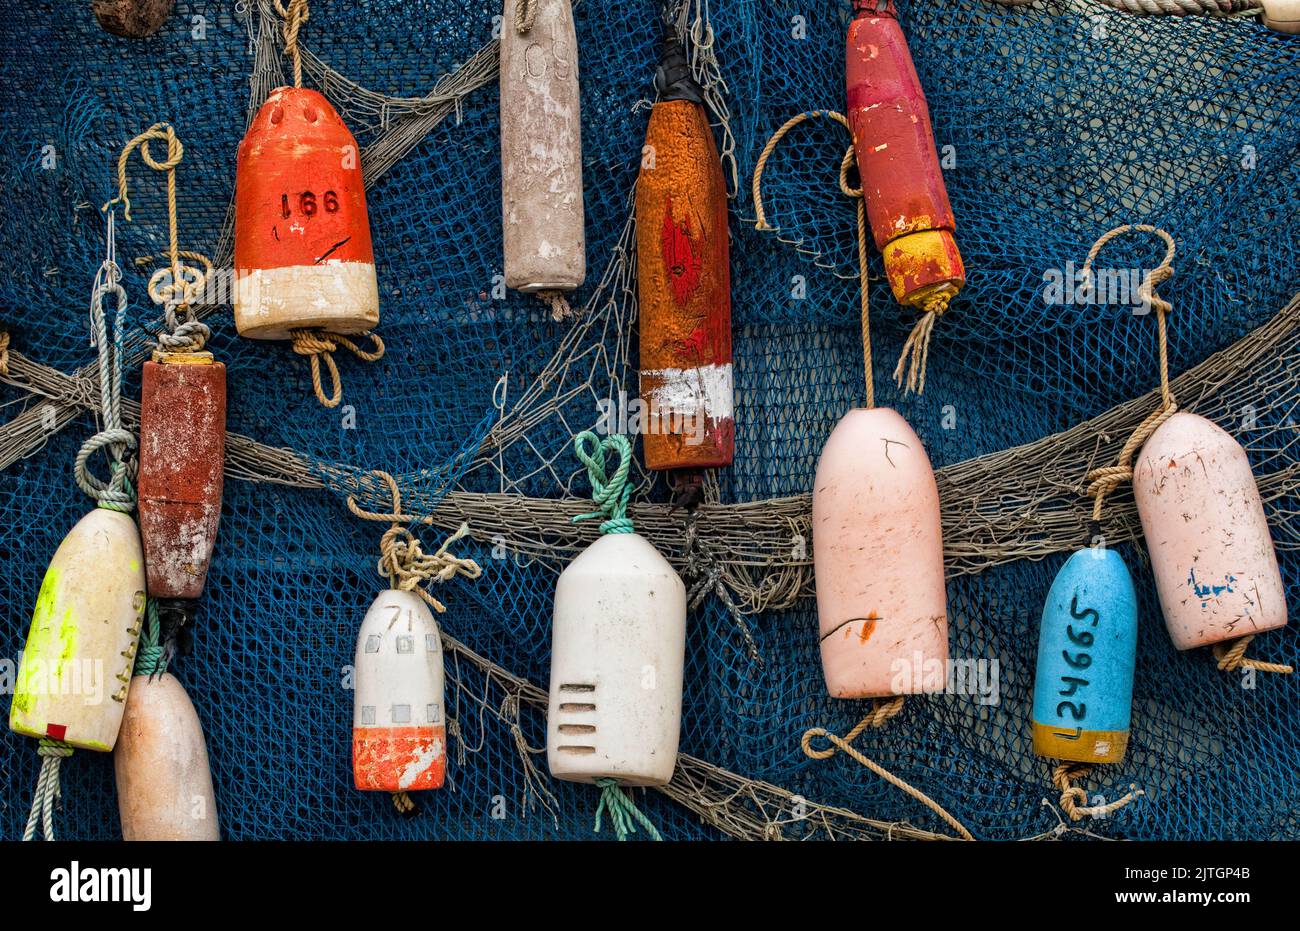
[907, 203]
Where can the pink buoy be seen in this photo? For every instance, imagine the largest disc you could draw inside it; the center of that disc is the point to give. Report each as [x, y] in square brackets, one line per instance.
[1211, 552]
[878, 557]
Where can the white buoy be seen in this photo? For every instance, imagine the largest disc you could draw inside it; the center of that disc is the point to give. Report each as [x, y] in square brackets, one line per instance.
[399, 725]
[617, 654]
[541, 149]
[76, 667]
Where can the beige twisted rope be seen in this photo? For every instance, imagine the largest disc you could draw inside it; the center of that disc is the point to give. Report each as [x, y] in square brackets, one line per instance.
[320, 344]
[849, 160]
[1073, 797]
[1105, 480]
[525, 14]
[4, 353]
[402, 559]
[187, 281]
[295, 13]
[1231, 655]
[881, 712]
[558, 304]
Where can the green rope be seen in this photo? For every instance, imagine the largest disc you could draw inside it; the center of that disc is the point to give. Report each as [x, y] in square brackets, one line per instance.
[149, 658]
[609, 492]
[623, 813]
[48, 790]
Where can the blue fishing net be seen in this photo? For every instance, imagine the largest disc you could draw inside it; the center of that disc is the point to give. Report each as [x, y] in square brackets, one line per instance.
[1060, 120]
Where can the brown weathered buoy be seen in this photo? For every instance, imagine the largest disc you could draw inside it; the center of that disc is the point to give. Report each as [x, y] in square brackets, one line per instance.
[182, 457]
[132, 19]
[684, 279]
[164, 784]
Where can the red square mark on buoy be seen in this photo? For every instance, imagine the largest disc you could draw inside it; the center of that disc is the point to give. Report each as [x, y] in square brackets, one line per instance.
[56, 731]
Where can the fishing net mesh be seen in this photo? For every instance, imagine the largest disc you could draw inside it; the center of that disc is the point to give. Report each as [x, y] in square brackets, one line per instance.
[1056, 120]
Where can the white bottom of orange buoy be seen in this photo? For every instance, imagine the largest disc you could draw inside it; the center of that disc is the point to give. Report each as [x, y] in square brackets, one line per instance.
[878, 560]
[617, 655]
[341, 297]
[164, 784]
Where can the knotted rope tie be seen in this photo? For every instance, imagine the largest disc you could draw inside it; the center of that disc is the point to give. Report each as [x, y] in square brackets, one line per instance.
[846, 163]
[4, 353]
[294, 13]
[179, 286]
[402, 558]
[881, 712]
[1072, 797]
[48, 789]
[558, 304]
[623, 813]
[150, 657]
[915, 357]
[1106, 479]
[319, 344]
[1231, 655]
[610, 493]
[117, 493]
[707, 573]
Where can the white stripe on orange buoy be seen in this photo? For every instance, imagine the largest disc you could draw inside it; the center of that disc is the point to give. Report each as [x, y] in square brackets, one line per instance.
[707, 389]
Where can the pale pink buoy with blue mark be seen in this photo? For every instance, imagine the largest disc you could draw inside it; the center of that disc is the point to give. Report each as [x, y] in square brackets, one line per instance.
[1215, 567]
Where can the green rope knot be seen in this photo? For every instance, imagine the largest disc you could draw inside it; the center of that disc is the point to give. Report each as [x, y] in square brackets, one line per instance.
[150, 659]
[623, 813]
[48, 791]
[609, 492]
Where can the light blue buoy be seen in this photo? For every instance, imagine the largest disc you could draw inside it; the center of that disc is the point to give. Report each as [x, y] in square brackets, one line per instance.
[1083, 689]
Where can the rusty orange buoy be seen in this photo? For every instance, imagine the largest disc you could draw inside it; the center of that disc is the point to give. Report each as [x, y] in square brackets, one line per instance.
[684, 279]
[182, 458]
[303, 254]
[911, 220]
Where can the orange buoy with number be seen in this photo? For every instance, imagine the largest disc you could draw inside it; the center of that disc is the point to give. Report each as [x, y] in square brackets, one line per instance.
[303, 254]
[684, 279]
[907, 203]
[182, 458]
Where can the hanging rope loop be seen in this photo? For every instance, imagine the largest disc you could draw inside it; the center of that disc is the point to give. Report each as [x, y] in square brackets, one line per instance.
[846, 163]
[294, 13]
[881, 712]
[609, 492]
[1231, 656]
[320, 345]
[623, 812]
[117, 493]
[402, 559]
[1104, 480]
[180, 285]
[48, 790]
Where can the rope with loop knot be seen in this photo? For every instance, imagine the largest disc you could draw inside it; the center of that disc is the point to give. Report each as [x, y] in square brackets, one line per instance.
[294, 13]
[318, 344]
[882, 711]
[1074, 799]
[117, 493]
[402, 558]
[610, 493]
[180, 285]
